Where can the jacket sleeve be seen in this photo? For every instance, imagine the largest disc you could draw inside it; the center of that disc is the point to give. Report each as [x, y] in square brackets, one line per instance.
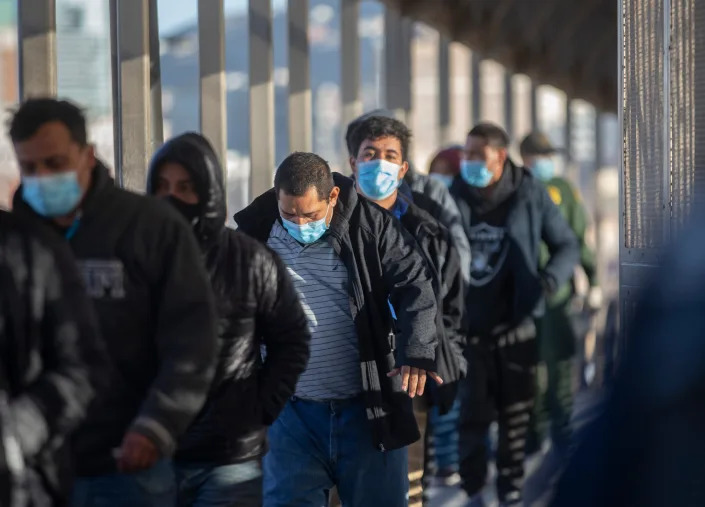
[578, 222]
[410, 286]
[560, 240]
[453, 294]
[185, 334]
[282, 324]
[451, 219]
[74, 360]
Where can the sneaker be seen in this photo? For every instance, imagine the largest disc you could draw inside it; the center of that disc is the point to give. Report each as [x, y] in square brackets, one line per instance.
[447, 477]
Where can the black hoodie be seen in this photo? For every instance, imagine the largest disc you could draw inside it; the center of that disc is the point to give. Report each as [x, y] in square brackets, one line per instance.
[383, 266]
[142, 269]
[257, 305]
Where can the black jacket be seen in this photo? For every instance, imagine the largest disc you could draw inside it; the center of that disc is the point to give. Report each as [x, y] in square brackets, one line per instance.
[50, 359]
[383, 265]
[436, 244]
[257, 305]
[532, 218]
[142, 268]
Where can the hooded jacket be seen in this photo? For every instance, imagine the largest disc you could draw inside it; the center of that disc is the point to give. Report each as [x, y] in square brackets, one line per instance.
[531, 218]
[142, 269]
[383, 266]
[257, 305]
[50, 362]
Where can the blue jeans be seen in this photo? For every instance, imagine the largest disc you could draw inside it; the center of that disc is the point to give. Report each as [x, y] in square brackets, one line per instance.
[317, 445]
[203, 485]
[155, 487]
[445, 436]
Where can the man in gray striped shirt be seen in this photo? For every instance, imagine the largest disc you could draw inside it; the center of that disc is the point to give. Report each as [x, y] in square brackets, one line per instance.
[351, 418]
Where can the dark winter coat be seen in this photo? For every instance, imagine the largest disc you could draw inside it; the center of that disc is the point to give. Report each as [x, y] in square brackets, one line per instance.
[383, 266]
[143, 270]
[51, 362]
[257, 305]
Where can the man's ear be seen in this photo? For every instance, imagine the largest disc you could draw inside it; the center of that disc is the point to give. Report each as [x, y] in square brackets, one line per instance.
[334, 196]
[353, 164]
[404, 169]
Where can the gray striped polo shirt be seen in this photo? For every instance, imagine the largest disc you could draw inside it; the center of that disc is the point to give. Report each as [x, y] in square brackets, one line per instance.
[321, 280]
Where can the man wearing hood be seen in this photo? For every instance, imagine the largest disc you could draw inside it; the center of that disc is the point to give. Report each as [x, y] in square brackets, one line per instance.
[217, 462]
[351, 417]
[507, 214]
[142, 269]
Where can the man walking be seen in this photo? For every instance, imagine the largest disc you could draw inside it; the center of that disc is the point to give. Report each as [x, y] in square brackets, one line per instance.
[506, 214]
[218, 460]
[351, 417]
[142, 268]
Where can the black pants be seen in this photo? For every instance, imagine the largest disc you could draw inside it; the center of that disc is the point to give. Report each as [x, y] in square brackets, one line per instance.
[500, 385]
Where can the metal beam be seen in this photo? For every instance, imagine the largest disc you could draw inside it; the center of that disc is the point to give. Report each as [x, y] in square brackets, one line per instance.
[476, 90]
[397, 56]
[568, 130]
[350, 56]
[534, 106]
[130, 29]
[261, 98]
[155, 77]
[211, 63]
[300, 121]
[444, 91]
[508, 103]
[36, 28]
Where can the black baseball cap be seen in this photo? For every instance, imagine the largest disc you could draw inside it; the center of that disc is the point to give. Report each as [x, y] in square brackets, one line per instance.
[537, 143]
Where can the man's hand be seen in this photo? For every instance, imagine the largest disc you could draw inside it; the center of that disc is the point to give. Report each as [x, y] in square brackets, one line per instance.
[413, 380]
[137, 453]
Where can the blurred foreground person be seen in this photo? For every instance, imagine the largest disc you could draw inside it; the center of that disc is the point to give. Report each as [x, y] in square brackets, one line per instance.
[351, 417]
[556, 336]
[144, 272]
[382, 145]
[429, 194]
[50, 357]
[507, 214]
[646, 449]
[445, 166]
[218, 460]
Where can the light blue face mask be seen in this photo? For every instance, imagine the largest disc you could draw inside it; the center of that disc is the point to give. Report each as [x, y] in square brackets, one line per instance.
[446, 179]
[378, 179]
[475, 173]
[307, 233]
[52, 196]
[543, 169]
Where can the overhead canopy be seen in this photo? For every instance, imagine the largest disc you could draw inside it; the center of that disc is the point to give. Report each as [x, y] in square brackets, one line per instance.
[568, 44]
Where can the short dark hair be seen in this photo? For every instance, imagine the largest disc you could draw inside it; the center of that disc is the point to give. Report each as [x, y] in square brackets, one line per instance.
[356, 123]
[300, 171]
[34, 113]
[495, 135]
[375, 127]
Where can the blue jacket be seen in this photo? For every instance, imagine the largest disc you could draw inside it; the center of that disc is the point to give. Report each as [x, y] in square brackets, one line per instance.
[533, 218]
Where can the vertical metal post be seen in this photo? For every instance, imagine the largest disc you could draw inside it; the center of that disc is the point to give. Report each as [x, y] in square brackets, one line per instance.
[534, 105]
[36, 28]
[666, 192]
[131, 96]
[300, 120]
[444, 91]
[261, 97]
[397, 58]
[350, 57]
[211, 63]
[407, 33]
[476, 88]
[568, 130]
[508, 104]
[155, 77]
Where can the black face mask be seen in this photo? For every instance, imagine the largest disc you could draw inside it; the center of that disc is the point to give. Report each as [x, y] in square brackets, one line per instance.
[189, 211]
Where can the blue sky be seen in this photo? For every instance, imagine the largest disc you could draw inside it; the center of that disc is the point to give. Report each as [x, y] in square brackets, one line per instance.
[174, 14]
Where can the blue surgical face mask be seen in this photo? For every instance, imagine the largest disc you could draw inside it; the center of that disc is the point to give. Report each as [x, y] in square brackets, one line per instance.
[543, 169]
[446, 179]
[52, 196]
[475, 173]
[378, 179]
[309, 232]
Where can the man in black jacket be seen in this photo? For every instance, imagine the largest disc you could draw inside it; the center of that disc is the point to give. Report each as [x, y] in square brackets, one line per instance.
[142, 268]
[506, 214]
[351, 417]
[218, 460]
[47, 365]
[382, 145]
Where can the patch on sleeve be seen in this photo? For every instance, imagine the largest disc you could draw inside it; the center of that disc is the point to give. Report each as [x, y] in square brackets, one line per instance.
[104, 278]
[555, 194]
